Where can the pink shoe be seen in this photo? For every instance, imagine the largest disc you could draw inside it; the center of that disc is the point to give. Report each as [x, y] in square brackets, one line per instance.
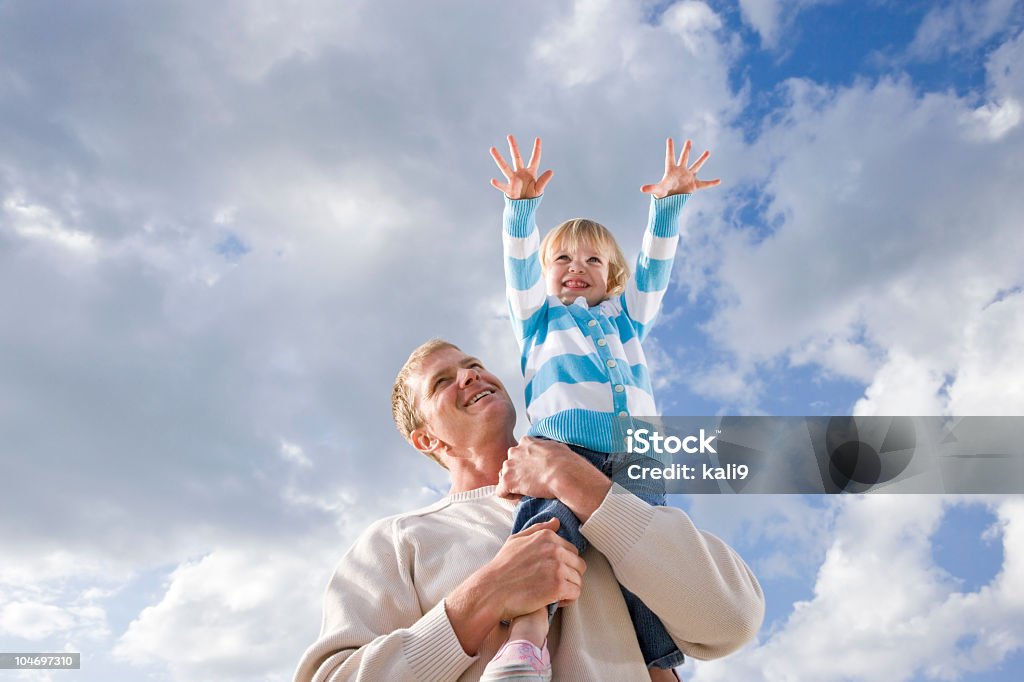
[520, 661]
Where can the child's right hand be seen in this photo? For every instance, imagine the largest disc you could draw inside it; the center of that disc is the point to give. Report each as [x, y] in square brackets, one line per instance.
[522, 182]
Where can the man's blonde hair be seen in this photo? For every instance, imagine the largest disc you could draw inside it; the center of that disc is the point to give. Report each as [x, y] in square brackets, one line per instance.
[403, 403]
[572, 233]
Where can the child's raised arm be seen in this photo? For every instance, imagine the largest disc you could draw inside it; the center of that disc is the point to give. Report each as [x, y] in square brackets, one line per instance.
[524, 285]
[645, 290]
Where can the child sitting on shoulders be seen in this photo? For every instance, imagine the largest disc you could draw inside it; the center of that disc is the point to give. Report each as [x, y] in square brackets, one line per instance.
[579, 319]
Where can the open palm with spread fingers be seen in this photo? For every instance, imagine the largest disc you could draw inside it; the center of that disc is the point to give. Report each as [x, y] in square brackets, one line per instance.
[679, 178]
[521, 182]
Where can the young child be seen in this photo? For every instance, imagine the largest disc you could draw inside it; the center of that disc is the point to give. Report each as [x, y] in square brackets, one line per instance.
[579, 319]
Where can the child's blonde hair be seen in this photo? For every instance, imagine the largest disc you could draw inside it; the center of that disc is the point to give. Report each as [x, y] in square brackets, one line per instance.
[572, 233]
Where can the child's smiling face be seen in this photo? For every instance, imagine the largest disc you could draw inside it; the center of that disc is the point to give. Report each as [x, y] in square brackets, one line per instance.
[571, 273]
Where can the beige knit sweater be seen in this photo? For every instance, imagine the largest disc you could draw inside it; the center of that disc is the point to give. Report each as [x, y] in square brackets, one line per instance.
[384, 616]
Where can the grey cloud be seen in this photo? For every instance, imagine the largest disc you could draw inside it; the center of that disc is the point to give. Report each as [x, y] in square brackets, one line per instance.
[151, 385]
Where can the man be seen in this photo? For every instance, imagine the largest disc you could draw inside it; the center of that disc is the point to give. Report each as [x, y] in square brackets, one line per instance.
[423, 595]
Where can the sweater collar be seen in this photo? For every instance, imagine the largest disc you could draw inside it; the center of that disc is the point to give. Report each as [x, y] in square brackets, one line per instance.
[479, 494]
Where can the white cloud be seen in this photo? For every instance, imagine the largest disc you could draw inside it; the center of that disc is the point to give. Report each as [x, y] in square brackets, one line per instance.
[764, 17]
[611, 63]
[46, 564]
[32, 620]
[53, 618]
[57, 598]
[895, 224]
[293, 453]
[37, 222]
[986, 382]
[728, 384]
[788, 533]
[961, 25]
[234, 614]
[770, 18]
[994, 120]
[590, 44]
[883, 610]
[903, 385]
[1003, 68]
[843, 356]
[696, 25]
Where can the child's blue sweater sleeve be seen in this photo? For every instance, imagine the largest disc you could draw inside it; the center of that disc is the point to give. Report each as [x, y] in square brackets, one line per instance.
[524, 283]
[645, 290]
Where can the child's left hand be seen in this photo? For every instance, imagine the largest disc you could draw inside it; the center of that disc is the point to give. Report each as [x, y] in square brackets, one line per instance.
[532, 466]
[678, 178]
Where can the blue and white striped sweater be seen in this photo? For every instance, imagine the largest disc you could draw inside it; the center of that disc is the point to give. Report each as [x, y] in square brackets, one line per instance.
[584, 366]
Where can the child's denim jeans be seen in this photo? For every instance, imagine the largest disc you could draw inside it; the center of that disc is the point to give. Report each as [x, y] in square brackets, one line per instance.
[658, 648]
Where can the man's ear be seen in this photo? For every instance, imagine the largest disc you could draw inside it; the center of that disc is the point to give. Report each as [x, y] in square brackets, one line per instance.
[423, 440]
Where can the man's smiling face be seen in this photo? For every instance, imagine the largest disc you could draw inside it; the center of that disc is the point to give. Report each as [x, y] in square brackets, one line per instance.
[459, 400]
[571, 273]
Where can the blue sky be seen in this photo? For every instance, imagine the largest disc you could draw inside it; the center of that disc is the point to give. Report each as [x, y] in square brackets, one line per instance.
[223, 227]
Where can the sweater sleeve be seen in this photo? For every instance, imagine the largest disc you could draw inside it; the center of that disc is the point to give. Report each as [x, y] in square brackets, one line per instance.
[705, 595]
[374, 627]
[524, 283]
[646, 288]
